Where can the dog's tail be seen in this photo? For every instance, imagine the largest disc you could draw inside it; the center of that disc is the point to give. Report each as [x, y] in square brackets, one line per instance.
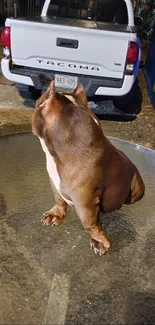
[137, 189]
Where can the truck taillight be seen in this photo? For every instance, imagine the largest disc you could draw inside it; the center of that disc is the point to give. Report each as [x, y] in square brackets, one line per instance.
[132, 57]
[5, 41]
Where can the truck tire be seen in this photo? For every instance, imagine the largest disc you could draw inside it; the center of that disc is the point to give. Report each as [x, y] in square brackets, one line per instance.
[131, 102]
[28, 92]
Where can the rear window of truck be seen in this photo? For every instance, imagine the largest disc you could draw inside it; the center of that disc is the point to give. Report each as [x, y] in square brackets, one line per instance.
[107, 11]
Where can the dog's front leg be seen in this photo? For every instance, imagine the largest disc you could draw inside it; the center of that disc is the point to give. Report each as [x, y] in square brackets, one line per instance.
[87, 209]
[58, 212]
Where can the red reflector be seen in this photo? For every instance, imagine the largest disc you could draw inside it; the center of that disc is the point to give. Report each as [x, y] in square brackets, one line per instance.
[132, 54]
[5, 37]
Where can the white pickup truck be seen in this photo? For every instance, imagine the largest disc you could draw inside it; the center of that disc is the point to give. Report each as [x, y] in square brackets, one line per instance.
[93, 42]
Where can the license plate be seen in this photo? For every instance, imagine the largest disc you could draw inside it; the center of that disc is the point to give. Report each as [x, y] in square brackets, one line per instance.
[65, 82]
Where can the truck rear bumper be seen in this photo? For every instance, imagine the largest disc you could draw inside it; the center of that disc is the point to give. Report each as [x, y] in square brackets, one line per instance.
[126, 87]
[93, 85]
[5, 66]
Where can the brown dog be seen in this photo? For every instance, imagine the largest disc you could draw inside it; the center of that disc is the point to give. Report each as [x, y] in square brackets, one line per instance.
[85, 169]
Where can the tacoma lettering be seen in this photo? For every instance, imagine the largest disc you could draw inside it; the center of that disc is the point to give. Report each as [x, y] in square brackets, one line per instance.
[72, 65]
[68, 65]
[40, 61]
[81, 67]
[50, 62]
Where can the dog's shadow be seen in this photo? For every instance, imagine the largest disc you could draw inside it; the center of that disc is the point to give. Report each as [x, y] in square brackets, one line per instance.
[119, 229]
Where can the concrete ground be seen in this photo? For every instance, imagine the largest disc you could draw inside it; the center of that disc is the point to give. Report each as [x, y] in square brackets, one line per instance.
[49, 275]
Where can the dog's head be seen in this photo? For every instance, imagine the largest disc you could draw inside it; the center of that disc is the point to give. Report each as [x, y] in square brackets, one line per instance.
[52, 106]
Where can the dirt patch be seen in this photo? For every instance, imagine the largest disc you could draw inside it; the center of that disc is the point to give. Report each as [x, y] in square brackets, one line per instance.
[14, 121]
[142, 129]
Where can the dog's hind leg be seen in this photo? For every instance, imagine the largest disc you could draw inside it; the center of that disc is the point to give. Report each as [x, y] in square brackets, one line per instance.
[137, 189]
[58, 212]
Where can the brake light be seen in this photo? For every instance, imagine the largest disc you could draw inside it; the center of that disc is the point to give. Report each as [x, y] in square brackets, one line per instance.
[132, 57]
[5, 37]
[5, 41]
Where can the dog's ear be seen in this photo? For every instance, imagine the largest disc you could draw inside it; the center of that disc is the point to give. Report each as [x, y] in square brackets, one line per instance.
[47, 104]
[79, 93]
[47, 96]
[51, 89]
[45, 109]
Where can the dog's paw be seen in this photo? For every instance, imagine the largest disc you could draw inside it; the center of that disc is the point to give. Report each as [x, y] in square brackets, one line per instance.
[51, 219]
[98, 247]
[54, 216]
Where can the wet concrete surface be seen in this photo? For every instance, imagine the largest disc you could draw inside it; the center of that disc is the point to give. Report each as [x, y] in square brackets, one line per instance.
[49, 275]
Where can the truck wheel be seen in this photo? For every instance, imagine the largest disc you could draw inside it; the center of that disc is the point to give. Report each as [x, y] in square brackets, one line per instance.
[28, 92]
[131, 102]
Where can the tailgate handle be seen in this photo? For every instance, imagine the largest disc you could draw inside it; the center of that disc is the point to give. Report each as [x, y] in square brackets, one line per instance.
[65, 42]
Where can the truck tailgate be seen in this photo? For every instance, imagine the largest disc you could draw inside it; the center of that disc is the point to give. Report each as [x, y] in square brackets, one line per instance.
[69, 45]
